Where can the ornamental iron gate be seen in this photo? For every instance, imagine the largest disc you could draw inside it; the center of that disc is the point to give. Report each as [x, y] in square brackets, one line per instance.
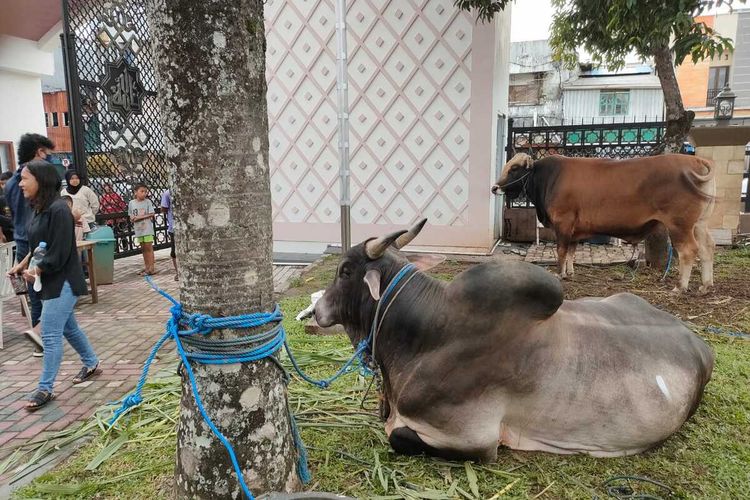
[117, 136]
[602, 140]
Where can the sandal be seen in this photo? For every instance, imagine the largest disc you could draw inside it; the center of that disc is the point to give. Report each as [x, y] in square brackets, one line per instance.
[142, 272]
[85, 374]
[39, 399]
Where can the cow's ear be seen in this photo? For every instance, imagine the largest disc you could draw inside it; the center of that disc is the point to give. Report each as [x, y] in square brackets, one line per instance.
[372, 278]
[425, 261]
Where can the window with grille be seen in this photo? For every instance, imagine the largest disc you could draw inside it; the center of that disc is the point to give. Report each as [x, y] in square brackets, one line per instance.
[614, 103]
[46, 120]
[55, 120]
[66, 119]
[718, 77]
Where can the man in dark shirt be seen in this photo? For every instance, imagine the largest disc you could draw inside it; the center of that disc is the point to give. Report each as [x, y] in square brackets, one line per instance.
[30, 147]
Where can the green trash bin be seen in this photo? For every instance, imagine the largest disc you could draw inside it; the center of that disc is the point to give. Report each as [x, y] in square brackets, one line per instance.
[104, 254]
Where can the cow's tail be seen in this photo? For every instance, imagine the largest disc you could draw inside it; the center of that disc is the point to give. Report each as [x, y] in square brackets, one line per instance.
[710, 171]
[702, 184]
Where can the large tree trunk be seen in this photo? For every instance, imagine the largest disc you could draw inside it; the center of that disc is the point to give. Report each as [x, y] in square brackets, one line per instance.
[657, 248]
[679, 122]
[210, 61]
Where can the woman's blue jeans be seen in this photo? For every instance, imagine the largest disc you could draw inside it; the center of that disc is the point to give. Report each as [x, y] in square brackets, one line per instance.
[58, 321]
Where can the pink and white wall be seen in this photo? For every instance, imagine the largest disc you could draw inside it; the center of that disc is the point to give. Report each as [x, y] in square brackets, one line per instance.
[426, 84]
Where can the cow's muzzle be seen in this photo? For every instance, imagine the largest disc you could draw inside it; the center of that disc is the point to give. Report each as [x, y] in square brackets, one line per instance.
[495, 189]
[322, 315]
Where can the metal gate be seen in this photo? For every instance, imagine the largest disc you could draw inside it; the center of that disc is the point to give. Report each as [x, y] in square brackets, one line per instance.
[601, 140]
[117, 136]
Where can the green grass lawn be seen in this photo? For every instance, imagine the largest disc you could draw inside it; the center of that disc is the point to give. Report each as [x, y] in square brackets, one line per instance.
[349, 454]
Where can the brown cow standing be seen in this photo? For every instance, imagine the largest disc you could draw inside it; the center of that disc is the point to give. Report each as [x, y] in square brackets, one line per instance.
[582, 197]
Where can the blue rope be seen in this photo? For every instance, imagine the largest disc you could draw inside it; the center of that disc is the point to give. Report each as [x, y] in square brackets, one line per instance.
[201, 324]
[727, 333]
[669, 263]
[267, 343]
[346, 368]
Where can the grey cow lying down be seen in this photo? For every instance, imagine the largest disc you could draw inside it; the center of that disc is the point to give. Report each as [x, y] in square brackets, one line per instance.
[497, 357]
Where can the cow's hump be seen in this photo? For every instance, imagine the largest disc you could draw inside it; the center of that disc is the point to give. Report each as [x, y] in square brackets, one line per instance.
[495, 287]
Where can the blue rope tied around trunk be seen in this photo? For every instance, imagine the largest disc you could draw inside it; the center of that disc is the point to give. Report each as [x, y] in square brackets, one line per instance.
[241, 350]
[245, 349]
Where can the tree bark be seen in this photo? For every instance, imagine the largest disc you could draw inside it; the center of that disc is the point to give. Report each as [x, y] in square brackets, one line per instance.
[657, 248]
[679, 122]
[210, 62]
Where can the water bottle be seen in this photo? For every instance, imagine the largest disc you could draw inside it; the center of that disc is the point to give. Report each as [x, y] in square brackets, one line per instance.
[36, 257]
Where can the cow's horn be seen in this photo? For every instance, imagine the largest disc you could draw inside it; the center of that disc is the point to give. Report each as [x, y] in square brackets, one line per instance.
[412, 233]
[375, 248]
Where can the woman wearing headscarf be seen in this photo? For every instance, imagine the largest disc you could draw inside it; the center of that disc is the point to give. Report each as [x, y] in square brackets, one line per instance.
[84, 198]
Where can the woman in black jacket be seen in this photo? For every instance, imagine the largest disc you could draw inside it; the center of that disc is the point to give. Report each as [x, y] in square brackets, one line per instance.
[61, 276]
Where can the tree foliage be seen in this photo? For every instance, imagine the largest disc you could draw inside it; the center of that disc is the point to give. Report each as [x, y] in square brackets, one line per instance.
[485, 9]
[610, 29]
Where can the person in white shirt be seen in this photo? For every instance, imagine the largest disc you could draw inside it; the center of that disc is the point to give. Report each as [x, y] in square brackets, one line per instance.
[84, 198]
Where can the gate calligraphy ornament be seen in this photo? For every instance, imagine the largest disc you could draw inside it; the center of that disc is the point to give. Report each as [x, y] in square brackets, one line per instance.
[123, 87]
[118, 137]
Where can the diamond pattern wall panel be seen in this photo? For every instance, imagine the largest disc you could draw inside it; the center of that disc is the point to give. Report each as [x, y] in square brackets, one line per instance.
[409, 89]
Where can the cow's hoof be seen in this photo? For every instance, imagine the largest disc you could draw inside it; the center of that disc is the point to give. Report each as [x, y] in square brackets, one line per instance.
[678, 291]
[704, 289]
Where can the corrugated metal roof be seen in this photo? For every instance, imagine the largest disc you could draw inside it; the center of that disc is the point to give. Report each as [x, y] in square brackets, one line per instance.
[614, 82]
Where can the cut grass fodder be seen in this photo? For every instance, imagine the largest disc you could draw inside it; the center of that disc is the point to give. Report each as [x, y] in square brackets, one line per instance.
[347, 445]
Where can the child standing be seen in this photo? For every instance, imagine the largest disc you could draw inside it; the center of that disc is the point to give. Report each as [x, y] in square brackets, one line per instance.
[142, 213]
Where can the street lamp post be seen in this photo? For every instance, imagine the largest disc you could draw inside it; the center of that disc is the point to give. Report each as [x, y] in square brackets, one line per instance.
[342, 92]
[724, 106]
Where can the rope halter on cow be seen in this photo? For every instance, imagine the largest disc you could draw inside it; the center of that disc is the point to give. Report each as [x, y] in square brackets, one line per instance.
[525, 177]
[410, 270]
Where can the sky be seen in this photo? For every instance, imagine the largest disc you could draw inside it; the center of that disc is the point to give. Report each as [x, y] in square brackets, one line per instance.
[530, 20]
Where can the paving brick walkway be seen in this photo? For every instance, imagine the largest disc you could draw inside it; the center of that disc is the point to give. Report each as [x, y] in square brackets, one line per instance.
[546, 253]
[122, 327]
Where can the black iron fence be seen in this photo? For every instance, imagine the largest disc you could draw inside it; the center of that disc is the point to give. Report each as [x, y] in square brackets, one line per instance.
[125, 244]
[117, 135]
[597, 140]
